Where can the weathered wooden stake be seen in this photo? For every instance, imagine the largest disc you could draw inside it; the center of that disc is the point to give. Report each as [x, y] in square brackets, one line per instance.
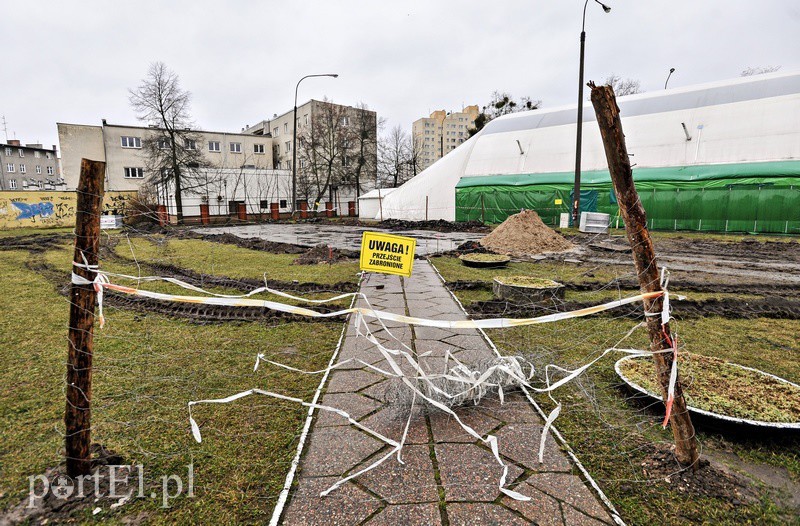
[633, 214]
[81, 320]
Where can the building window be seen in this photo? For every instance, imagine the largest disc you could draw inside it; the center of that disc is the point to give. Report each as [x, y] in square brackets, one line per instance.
[48, 155]
[8, 152]
[282, 203]
[134, 173]
[285, 127]
[288, 165]
[40, 185]
[302, 163]
[38, 169]
[275, 131]
[163, 144]
[37, 154]
[127, 142]
[189, 144]
[12, 184]
[236, 147]
[258, 148]
[10, 168]
[21, 152]
[305, 118]
[49, 170]
[345, 120]
[213, 146]
[288, 146]
[22, 169]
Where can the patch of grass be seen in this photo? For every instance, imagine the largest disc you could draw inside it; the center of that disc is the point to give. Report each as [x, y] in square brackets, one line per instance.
[30, 231]
[452, 270]
[611, 435]
[146, 369]
[717, 386]
[220, 259]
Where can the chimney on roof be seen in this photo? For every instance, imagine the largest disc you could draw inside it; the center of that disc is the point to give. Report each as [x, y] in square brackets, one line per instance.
[13, 142]
[104, 122]
[54, 148]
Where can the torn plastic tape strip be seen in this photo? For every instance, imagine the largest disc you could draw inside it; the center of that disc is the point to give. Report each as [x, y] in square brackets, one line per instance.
[491, 323]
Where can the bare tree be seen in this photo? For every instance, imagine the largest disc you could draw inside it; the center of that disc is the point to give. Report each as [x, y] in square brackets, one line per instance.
[759, 70]
[622, 86]
[323, 151]
[171, 149]
[396, 158]
[363, 144]
[502, 104]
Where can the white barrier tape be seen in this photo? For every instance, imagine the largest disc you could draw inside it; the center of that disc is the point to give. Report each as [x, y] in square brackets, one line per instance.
[246, 301]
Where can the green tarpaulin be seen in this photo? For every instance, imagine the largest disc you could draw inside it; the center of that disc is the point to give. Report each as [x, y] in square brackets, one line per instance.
[752, 197]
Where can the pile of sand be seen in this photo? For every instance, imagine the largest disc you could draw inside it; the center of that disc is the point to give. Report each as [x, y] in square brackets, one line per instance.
[524, 234]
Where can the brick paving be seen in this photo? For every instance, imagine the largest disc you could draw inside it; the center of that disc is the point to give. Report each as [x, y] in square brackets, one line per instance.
[448, 477]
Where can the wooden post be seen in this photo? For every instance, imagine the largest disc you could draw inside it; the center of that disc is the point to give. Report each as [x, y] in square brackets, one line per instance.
[633, 215]
[426, 208]
[380, 204]
[483, 210]
[81, 320]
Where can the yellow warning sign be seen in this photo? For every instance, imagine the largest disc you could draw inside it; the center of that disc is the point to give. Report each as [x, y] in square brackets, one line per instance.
[387, 253]
[559, 201]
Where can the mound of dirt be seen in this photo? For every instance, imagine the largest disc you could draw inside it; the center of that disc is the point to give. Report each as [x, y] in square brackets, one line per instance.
[524, 234]
[322, 254]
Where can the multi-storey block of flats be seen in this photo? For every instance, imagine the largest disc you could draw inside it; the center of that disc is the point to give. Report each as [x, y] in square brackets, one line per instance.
[29, 167]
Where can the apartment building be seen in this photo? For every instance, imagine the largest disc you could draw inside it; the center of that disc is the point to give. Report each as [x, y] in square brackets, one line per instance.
[280, 129]
[121, 147]
[29, 167]
[442, 132]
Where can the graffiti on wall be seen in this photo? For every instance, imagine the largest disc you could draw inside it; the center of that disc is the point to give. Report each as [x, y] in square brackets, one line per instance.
[52, 209]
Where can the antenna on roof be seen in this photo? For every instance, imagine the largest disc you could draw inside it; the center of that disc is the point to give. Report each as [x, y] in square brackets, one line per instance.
[5, 127]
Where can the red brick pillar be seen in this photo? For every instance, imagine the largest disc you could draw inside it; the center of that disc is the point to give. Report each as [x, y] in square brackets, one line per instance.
[351, 208]
[275, 211]
[328, 209]
[241, 209]
[303, 210]
[163, 216]
[204, 214]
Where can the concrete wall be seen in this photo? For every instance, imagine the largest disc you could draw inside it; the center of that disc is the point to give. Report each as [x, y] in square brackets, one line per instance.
[78, 141]
[51, 209]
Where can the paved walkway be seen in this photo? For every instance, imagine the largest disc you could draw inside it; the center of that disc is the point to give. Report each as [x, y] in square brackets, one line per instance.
[448, 477]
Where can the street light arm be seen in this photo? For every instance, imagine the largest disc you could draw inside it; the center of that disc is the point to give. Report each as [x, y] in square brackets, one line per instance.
[297, 87]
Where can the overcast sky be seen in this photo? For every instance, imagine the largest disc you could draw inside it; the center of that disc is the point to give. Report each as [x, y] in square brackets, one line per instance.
[75, 61]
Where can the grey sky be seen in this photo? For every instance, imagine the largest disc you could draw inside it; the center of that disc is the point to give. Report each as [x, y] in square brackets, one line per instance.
[74, 61]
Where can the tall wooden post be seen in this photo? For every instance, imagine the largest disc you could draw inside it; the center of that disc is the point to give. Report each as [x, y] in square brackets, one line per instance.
[633, 214]
[81, 319]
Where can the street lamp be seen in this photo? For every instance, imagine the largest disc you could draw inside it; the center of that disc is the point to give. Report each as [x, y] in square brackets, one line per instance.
[671, 71]
[576, 200]
[294, 137]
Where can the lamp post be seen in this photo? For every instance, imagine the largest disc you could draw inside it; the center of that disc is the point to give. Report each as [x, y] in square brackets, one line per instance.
[576, 199]
[671, 71]
[294, 137]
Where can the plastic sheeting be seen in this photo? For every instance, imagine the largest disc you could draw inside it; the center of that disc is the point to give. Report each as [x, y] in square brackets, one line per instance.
[764, 206]
[681, 135]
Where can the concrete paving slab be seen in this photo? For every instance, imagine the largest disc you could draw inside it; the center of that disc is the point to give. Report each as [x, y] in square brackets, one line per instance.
[448, 476]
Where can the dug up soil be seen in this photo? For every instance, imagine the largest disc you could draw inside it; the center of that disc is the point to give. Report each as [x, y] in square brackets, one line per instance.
[525, 234]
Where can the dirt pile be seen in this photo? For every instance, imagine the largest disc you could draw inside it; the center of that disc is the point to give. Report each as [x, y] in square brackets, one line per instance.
[524, 234]
[322, 254]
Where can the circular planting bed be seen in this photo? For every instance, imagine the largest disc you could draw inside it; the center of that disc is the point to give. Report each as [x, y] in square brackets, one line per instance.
[526, 289]
[484, 260]
[723, 390]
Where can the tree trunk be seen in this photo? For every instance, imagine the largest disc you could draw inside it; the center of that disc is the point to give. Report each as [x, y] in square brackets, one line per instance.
[77, 417]
[633, 213]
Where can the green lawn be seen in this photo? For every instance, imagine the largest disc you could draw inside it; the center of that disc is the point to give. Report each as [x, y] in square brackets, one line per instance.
[607, 432]
[220, 259]
[146, 369]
